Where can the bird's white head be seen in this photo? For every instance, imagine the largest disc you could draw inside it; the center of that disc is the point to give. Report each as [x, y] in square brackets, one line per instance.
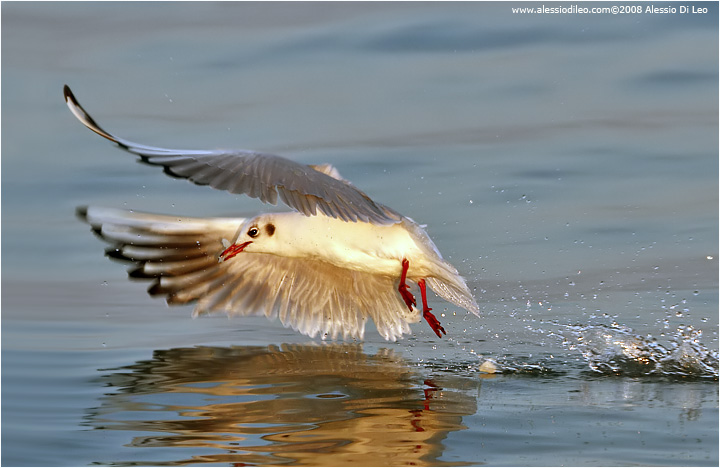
[255, 235]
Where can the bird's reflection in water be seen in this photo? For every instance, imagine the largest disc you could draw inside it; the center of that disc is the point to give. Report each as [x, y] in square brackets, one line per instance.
[301, 405]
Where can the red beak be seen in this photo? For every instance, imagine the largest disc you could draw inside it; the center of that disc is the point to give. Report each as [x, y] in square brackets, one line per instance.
[233, 250]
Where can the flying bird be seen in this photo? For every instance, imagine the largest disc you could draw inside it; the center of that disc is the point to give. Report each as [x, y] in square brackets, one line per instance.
[323, 269]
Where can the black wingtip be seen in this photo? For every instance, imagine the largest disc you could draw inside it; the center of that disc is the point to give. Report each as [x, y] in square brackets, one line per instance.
[139, 273]
[116, 253]
[81, 212]
[85, 118]
[157, 289]
[67, 94]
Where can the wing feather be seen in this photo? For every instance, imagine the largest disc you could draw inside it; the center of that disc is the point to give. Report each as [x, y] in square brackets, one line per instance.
[257, 175]
[179, 256]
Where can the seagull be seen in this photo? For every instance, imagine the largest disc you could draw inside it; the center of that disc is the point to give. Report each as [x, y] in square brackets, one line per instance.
[323, 269]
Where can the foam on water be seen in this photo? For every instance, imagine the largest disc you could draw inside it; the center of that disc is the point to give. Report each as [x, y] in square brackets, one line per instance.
[618, 350]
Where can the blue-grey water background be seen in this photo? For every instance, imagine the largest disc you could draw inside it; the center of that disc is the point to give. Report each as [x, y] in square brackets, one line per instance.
[567, 164]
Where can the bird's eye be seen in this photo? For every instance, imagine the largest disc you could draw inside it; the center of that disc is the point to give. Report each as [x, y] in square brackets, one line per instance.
[253, 232]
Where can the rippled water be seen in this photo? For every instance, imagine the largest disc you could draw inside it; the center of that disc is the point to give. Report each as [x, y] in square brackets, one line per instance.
[566, 164]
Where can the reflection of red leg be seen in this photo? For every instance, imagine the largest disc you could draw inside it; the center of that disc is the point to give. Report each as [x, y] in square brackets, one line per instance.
[429, 394]
[403, 288]
[429, 317]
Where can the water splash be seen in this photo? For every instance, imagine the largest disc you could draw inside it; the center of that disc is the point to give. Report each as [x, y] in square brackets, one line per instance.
[618, 350]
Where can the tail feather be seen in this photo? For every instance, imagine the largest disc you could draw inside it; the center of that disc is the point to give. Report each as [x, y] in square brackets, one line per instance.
[447, 282]
[455, 291]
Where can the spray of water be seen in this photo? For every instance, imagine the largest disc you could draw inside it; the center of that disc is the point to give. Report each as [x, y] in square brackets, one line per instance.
[618, 350]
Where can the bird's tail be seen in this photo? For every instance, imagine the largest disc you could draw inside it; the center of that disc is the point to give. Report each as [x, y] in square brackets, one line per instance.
[452, 288]
[446, 282]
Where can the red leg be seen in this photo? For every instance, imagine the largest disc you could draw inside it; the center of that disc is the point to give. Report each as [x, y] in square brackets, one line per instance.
[403, 288]
[429, 317]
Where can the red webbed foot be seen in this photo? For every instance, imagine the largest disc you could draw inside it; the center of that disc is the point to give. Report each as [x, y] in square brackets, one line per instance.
[434, 323]
[427, 315]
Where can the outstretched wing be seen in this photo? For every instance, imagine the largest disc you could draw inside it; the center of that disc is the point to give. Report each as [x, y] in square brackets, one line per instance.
[180, 257]
[258, 175]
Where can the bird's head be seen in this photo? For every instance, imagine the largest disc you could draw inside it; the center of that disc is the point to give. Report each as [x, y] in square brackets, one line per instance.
[255, 235]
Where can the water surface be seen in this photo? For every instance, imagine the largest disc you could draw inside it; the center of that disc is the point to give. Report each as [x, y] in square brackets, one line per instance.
[566, 164]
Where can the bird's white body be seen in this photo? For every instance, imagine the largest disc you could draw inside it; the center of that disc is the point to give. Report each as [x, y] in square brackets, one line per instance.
[325, 269]
[356, 246]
